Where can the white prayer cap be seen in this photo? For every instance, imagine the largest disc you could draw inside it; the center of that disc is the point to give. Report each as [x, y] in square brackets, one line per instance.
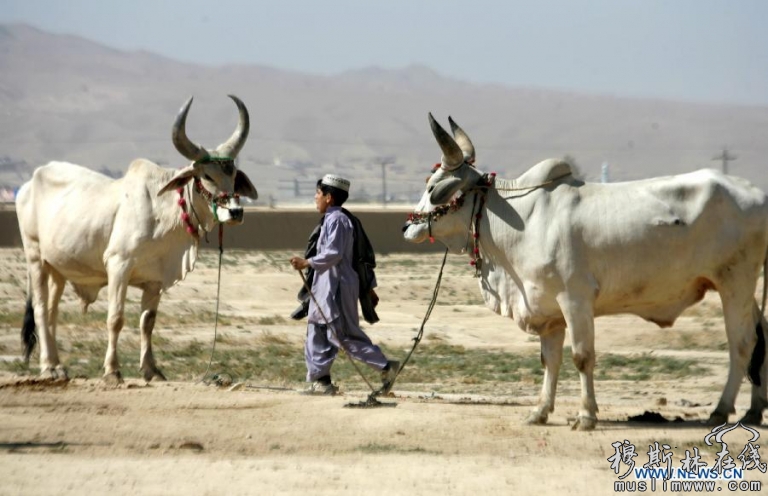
[336, 182]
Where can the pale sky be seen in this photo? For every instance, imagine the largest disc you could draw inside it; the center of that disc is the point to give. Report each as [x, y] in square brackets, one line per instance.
[694, 50]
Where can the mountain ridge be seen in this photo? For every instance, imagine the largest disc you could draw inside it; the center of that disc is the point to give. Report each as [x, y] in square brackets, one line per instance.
[64, 97]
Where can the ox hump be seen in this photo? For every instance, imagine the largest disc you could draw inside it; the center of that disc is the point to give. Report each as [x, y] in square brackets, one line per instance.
[142, 167]
[544, 171]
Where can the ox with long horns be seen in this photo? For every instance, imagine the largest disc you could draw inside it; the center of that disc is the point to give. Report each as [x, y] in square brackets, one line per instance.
[553, 251]
[141, 230]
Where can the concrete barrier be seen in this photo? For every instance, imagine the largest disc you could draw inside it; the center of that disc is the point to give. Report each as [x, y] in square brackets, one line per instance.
[279, 229]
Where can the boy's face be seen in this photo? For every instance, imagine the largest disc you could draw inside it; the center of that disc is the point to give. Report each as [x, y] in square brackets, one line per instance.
[322, 202]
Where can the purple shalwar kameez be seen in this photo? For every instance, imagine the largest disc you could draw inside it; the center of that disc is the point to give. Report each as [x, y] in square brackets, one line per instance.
[336, 290]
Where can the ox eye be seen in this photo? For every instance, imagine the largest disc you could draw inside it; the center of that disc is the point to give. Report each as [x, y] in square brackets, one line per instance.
[208, 178]
[429, 190]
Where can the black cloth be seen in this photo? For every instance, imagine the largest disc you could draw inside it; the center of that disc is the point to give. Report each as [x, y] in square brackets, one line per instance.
[363, 261]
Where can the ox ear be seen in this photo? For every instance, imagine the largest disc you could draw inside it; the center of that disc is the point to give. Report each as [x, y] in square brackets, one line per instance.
[444, 190]
[244, 186]
[179, 180]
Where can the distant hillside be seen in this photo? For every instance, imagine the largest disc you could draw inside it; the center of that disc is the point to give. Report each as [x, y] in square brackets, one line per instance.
[66, 98]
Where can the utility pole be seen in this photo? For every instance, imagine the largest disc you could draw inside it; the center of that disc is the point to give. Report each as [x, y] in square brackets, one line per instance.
[384, 161]
[725, 157]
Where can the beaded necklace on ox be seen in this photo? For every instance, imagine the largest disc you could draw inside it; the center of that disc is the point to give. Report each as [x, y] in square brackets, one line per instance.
[220, 200]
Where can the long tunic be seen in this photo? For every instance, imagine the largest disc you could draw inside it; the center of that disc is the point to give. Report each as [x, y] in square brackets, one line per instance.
[335, 285]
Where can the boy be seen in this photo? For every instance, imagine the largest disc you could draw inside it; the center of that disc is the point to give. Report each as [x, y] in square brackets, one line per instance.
[333, 321]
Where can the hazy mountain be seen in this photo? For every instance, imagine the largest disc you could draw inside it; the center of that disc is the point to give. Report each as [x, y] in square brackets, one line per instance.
[66, 98]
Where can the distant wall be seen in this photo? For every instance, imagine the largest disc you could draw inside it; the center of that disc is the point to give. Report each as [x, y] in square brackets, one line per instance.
[9, 228]
[266, 229]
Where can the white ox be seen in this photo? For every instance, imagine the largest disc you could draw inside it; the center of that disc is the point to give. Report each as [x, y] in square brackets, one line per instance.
[141, 230]
[556, 252]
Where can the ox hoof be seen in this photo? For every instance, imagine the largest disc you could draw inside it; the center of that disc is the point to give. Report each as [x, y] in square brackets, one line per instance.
[56, 374]
[536, 418]
[150, 374]
[753, 418]
[717, 419]
[61, 373]
[584, 424]
[113, 379]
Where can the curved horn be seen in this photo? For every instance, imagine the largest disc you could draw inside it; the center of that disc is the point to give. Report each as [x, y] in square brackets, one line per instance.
[463, 141]
[453, 157]
[234, 144]
[188, 149]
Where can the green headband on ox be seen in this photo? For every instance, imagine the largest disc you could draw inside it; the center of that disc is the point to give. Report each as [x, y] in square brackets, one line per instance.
[208, 159]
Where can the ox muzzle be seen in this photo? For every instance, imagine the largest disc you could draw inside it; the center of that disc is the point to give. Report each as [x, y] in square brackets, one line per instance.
[226, 207]
[230, 212]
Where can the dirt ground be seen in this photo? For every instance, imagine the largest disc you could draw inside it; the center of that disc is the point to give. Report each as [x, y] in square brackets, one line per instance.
[186, 437]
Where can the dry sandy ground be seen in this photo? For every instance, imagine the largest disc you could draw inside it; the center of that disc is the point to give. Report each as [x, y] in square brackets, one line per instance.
[192, 439]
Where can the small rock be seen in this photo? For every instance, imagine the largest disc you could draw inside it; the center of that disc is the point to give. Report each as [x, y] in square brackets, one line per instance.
[191, 445]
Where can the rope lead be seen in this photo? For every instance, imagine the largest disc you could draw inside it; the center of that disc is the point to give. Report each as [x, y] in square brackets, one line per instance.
[216, 377]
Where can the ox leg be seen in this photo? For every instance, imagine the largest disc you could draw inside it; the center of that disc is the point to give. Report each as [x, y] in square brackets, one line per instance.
[150, 300]
[759, 401]
[55, 290]
[740, 331]
[49, 354]
[580, 320]
[551, 359]
[117, 273]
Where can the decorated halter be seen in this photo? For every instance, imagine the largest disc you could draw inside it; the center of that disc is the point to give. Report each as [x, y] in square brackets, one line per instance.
[485, 182]
[216, 201]
[434, 215]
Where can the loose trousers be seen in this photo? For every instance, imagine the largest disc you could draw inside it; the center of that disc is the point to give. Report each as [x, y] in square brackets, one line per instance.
[323, 343]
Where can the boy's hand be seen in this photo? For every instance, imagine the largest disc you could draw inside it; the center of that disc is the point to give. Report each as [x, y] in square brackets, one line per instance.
[299, 263]
[374, 298]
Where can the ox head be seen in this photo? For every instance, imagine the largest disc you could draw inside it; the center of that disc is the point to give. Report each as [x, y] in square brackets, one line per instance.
[442, 212]
[214, 172]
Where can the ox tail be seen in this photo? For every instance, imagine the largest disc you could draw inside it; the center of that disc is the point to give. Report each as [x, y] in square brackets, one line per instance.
[765, 282]
[28, 334]
[758, 355]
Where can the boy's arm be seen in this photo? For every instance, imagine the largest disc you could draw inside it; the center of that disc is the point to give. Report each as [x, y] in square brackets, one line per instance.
[331, 253]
